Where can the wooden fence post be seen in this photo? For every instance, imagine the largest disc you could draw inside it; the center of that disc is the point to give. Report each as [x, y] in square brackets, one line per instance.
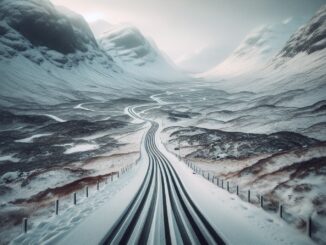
[86, 190]
[75, 198]
[261, 201]
[280, 211]
[227, 186]
[222, 184]
[98, 185]
[217, 181]
[25, 225]
[309, 227]
[237, 190]
[57, 206]
[248, 195]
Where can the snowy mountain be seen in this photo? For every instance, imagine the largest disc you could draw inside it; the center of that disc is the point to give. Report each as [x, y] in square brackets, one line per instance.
[258, 47]
[137, 54]
[301, 62]
[22, 32]
[298, 64]
[65, 64]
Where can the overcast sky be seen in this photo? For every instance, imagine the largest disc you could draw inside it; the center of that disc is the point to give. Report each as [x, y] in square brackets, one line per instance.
[183, 27]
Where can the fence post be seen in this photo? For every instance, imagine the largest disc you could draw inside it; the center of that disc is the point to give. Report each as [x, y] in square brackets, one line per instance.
[75, 198]
[208, 176]
[280, 210]
[57, 206]
[309, 226]
[25, 225]
[227, 186]
[98, 185]
[261, 201]
[237, 190]
[222, 184]
[248, 195]
[217, 181]
[86, 190]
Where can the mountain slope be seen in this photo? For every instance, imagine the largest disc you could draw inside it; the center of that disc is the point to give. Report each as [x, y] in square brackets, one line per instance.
[138, 55]
[258, 47]
[309, 38]
[298, 66]
[65, 64]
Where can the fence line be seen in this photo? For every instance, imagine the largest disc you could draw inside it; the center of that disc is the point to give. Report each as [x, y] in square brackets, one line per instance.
[262, 201]
[25, 221]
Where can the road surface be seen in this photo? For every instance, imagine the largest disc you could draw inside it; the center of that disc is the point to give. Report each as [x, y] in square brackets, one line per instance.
[161, 211]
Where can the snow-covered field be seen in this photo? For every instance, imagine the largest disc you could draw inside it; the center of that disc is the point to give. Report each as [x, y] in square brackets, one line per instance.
[225, 211]
[32, 193]
[291, 166]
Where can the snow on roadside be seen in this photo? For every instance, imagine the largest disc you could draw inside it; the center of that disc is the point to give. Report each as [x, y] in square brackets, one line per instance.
[47, 228]
[101, 210]
[229, 214]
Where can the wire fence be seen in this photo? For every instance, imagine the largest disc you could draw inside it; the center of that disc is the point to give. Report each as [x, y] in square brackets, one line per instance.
[82, 194]
[266, 202]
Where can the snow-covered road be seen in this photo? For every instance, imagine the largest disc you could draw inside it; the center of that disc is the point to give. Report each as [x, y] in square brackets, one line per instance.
[174, 206]
[162, 211]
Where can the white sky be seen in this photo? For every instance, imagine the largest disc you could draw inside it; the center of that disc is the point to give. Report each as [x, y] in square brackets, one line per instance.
[183, 27]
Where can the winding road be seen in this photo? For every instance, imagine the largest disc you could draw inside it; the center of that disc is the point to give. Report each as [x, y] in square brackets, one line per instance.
[162, 211]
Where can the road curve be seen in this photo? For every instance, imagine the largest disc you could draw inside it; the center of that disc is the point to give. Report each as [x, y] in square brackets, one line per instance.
[161, 212]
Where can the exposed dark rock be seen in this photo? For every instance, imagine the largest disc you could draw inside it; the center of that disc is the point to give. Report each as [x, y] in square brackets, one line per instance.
[220, 144]
[65, 34]
[309, 38]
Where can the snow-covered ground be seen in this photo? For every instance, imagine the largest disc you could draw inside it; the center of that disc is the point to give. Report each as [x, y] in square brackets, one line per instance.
[75, 223]
[32, 193]
[228, 213]
[299, 189]
[225, 211]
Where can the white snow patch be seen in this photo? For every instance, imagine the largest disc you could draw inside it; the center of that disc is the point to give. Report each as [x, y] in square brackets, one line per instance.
[30, 139]
[80, 106]
[58, 119]
[9, 158]
[81, 147]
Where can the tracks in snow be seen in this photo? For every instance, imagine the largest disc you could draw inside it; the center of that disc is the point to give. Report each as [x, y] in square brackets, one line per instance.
[161, 212]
